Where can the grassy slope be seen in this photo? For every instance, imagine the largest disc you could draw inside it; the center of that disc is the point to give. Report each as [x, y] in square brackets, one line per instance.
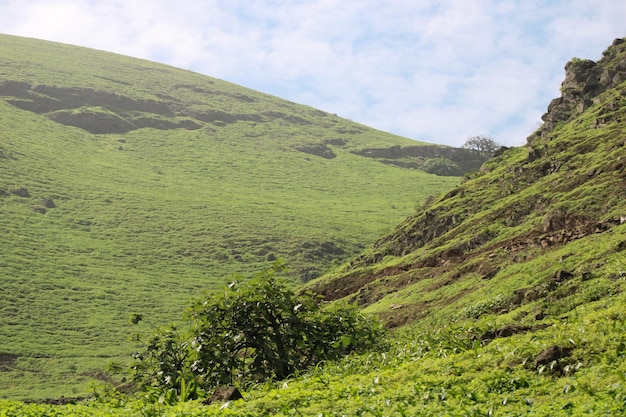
[433, 372]
[557, 204]
[485, 295]
[147, 218]
[526, 255]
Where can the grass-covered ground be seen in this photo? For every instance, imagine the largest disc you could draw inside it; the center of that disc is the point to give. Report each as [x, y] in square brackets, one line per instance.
[506, 292]
[453, 369]
[163, 184]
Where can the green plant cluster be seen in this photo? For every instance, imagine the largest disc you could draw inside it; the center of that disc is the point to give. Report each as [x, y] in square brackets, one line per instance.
[252, 331]
[443, 370]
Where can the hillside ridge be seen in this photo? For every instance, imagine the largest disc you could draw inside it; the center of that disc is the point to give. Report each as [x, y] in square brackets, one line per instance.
[517, 208]
[115, 107]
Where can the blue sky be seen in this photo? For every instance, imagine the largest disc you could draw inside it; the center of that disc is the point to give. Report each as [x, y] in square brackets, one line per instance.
[436, 71]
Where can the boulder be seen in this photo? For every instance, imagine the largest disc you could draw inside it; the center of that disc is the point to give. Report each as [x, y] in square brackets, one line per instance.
[48, 203]
[223, 394]
[21, 192]
[553, 353]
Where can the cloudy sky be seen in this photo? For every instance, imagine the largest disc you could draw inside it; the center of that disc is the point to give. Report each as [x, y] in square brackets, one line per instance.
[432, 70]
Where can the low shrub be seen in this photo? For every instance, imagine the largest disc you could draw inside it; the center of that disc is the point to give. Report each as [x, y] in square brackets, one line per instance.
[254, 330]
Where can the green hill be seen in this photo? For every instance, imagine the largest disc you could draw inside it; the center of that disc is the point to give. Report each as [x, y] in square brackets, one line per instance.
[128, 186]
[506, 292]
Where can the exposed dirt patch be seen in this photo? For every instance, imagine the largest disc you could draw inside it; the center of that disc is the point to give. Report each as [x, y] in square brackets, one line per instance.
[403, 280]
[344, 286]
[369, 287]
[95, 111]
[319, 149]
[356, 283]
[223, 394]
[510, 330]
[371, 293]
[403, 314]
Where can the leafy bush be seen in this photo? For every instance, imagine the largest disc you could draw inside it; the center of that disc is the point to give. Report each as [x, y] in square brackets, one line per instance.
[250, 332]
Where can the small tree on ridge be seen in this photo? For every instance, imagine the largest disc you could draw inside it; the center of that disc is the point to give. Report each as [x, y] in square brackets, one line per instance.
[482, 144]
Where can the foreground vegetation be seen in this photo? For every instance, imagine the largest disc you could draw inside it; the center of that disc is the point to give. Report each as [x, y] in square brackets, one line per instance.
[252, 331]
[453, 370]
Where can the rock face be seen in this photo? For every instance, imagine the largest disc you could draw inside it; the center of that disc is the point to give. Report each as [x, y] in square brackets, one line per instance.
[584, 81]
[414, 156]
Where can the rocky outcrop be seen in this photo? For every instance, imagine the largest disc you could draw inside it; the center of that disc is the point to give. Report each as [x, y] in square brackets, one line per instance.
[551, 354]
[584, 81]
[101, 112]
[415, 156]
[318, 149]
[524, 207]
[48, 203]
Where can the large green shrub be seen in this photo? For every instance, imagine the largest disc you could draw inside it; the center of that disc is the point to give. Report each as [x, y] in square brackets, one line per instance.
[254, 330]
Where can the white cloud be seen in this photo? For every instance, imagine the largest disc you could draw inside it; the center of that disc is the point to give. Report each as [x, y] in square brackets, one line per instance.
[432, 70]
